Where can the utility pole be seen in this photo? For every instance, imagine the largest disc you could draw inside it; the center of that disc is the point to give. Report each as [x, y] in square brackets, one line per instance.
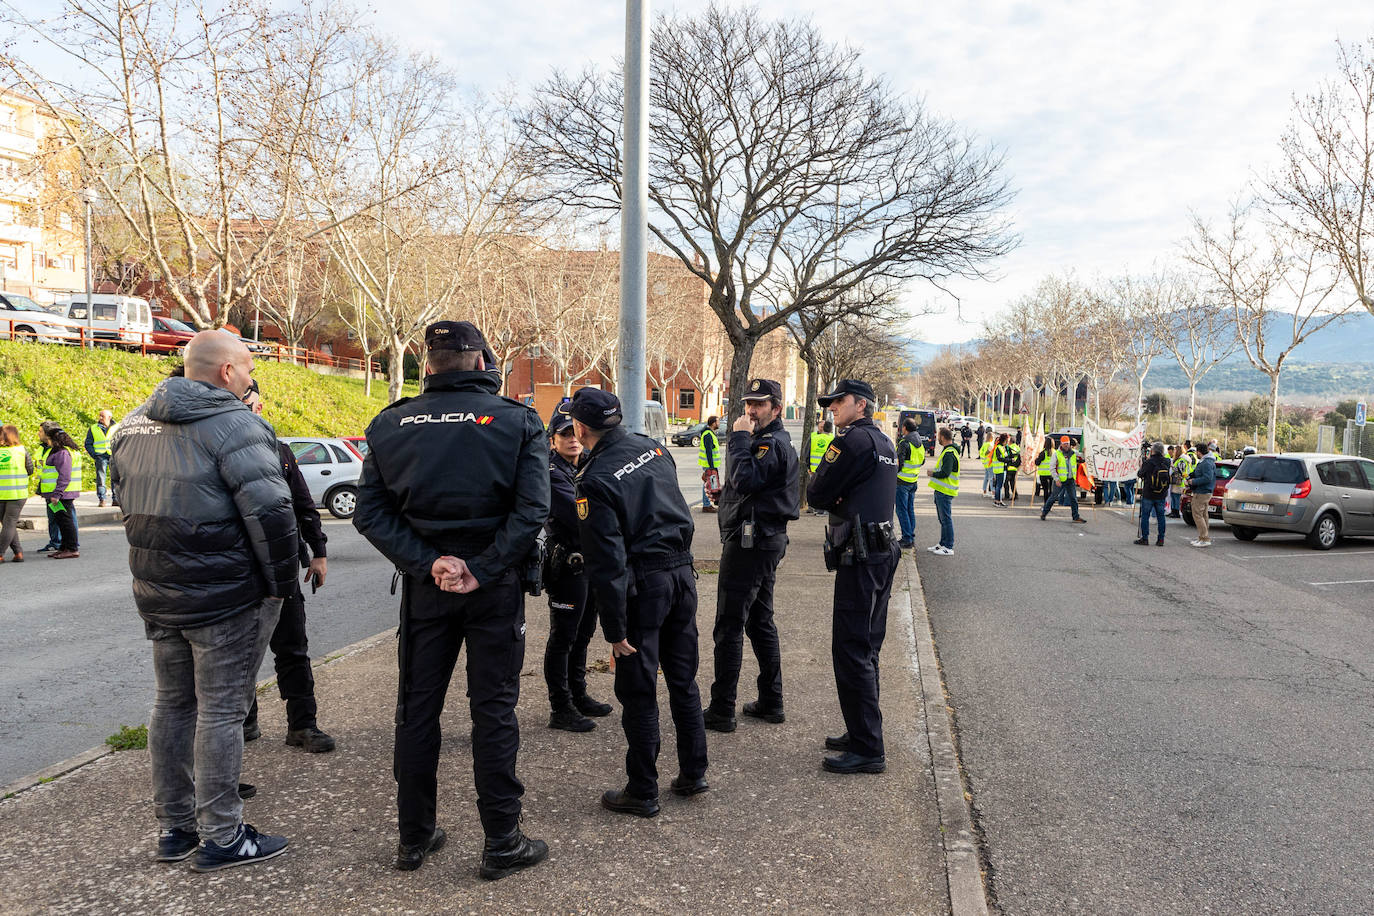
[89, 197]
[634, 217]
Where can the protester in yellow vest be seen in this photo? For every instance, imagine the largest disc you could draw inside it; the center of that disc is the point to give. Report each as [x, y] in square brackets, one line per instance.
[911, 454]
[820, 441]
[985, 456]
[1065, 469]
[944, 485]
[98, 447]
[59, 483]
[16, 466]
[708, 459]
[1044, 481]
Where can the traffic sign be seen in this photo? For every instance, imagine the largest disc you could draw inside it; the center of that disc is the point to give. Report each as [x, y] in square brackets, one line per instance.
[1360, 413]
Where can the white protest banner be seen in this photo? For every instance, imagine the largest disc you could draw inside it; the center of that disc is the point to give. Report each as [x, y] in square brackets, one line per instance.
[1112, 455]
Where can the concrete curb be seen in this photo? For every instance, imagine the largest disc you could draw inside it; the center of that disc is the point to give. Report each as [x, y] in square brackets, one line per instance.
[72, 764]
[110, 515]
[967, 894]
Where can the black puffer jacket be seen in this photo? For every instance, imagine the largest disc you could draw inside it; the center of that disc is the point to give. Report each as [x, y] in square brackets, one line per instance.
[206, 510]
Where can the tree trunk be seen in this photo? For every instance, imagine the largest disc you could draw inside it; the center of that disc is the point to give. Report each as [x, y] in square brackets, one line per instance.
[1273, 409]
[1192, 405]
[741, 358]
[396, 370]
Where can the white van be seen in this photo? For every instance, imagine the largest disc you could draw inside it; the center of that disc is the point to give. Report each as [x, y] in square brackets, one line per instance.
[655, 422]
[122, 320]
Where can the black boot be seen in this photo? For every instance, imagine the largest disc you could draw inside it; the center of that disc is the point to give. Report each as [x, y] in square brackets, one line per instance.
[506, 855]
[570, 720]
[311, 739]
[589, 707]
[717, 721]
[767, 713]
[411, 856]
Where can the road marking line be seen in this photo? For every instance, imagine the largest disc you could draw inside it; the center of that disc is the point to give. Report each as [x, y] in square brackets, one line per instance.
[1344, 582]
[1332, 555]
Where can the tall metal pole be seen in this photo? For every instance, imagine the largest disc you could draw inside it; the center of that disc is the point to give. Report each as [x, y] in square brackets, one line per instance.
[634, 217]
[88, 198]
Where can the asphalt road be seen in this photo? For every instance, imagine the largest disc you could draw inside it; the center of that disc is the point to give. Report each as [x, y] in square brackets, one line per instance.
[1158, 730]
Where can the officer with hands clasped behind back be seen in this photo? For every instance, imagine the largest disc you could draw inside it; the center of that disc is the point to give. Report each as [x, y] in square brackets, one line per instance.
[454, 491]
[637, 539]
[572, 618]
[857, 483]
[757, 501]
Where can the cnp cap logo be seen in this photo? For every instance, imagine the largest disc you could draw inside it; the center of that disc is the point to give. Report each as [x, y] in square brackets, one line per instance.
[755, 386]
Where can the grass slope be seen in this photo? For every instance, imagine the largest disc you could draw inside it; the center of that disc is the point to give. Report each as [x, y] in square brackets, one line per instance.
[70, 385]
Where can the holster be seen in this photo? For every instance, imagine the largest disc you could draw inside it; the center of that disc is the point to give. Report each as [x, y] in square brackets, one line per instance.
[532, 569]
[839, 548]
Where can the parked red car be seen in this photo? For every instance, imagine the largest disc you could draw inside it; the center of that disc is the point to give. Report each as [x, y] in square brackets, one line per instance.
[1225, 471]
[169, 335]
[357, 443]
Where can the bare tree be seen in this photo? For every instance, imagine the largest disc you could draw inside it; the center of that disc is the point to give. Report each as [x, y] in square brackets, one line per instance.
[289, 290]
[1198, 330]
[761, 132]
[1325, 190]
[202, 113]
[1278, 288]
[1140, 302]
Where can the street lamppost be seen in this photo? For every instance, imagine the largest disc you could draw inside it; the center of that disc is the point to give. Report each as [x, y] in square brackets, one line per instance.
[89, 197]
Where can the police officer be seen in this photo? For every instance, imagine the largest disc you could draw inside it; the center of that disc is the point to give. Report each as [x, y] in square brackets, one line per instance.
[857, 483]
[290, 646]
[759, 498]
[454, 491]
[572, 619]
[637, 539]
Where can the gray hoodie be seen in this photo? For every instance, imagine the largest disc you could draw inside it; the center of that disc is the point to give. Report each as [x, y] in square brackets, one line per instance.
[207, 512]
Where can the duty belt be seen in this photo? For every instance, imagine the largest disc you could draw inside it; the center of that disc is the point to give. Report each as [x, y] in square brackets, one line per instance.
[661, 561]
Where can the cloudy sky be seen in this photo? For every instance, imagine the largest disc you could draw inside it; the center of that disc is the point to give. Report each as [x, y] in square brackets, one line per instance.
[1116, 119]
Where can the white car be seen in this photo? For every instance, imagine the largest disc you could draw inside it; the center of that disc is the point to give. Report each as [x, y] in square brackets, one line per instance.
[331, 468]
[23, 319]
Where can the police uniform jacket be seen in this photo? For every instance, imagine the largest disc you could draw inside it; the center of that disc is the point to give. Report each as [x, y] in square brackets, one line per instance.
[457, 470]
[632, 519]
[562, 524]
[761, 473]
[857, 476]
[311, 533]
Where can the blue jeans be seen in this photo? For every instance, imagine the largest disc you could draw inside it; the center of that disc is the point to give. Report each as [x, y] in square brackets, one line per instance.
[1128, 492]
[906, 509]
[102, 477]
[1148, 506]
[987, 479]
[205, 683]
[1067, 490]
[55, 530]
[944, 511]
[1175, 501]
[1110, 492]
[997, 481]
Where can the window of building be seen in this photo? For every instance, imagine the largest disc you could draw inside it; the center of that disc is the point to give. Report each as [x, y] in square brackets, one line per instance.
[68, 261]
[656, 394]
[40, 263]
[9, 257]
[686, 399]
[64, 220]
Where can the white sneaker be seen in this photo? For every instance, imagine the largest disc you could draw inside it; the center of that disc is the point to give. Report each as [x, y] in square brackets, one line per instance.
[933, 549]
[943, 552]
[1202, 543]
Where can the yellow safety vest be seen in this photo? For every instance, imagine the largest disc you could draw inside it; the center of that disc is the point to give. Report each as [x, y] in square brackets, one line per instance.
[910, 470]
[714, 462]
[1046, 458]
[1013, 458]
[819, 443]
[999, 459]
[986, 454]
[947, 485]
[14, 479]
[47, 478]
[100, 441]
[1066, 467]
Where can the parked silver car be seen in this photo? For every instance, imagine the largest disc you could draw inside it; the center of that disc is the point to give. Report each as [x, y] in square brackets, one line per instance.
[1324, 497]
[331, 468]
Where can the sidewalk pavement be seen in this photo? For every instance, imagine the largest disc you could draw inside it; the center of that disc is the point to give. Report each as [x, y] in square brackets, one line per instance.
[775, 832]
[88, 512]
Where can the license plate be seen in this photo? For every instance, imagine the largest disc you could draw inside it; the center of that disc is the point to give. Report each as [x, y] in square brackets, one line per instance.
[1255, 507]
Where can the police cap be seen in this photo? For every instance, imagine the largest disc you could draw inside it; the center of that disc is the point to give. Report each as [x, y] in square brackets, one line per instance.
[454, 335]
[848, 386]
[561, 418]
[762, 389]
[596, 408]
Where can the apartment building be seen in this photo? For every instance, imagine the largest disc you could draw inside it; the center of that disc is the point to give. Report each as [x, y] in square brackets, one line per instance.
[42, 246]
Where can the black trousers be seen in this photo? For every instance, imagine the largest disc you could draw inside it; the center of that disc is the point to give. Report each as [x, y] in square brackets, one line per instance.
[291, 658]
[1044, 485]
[661, 620]
[572, 621]
[434, 626]
[66, 523]
[964, 452]
[744, 604]
[858, 630]
[1009, 485]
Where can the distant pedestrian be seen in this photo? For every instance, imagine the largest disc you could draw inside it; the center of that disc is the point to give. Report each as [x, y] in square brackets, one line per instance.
[980, 433]
[1201, 482]
[1044, 470]
[98, 447]
[1013, 462]
[911, 454]
[985, 456]
[1065, 471]
[966, 437]
[944, 484]
[1000, 454]
[16, 467]
[212, 550]
[820, 441]
[1154, 493]
[708, 459]
[1179, 463]
[60, 484]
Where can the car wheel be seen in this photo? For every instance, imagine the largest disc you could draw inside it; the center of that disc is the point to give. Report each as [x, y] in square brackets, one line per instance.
[1244, 534]
[696, 440]
[25, 335]
[1325, 533]
[1187, 512]
[342, 501]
